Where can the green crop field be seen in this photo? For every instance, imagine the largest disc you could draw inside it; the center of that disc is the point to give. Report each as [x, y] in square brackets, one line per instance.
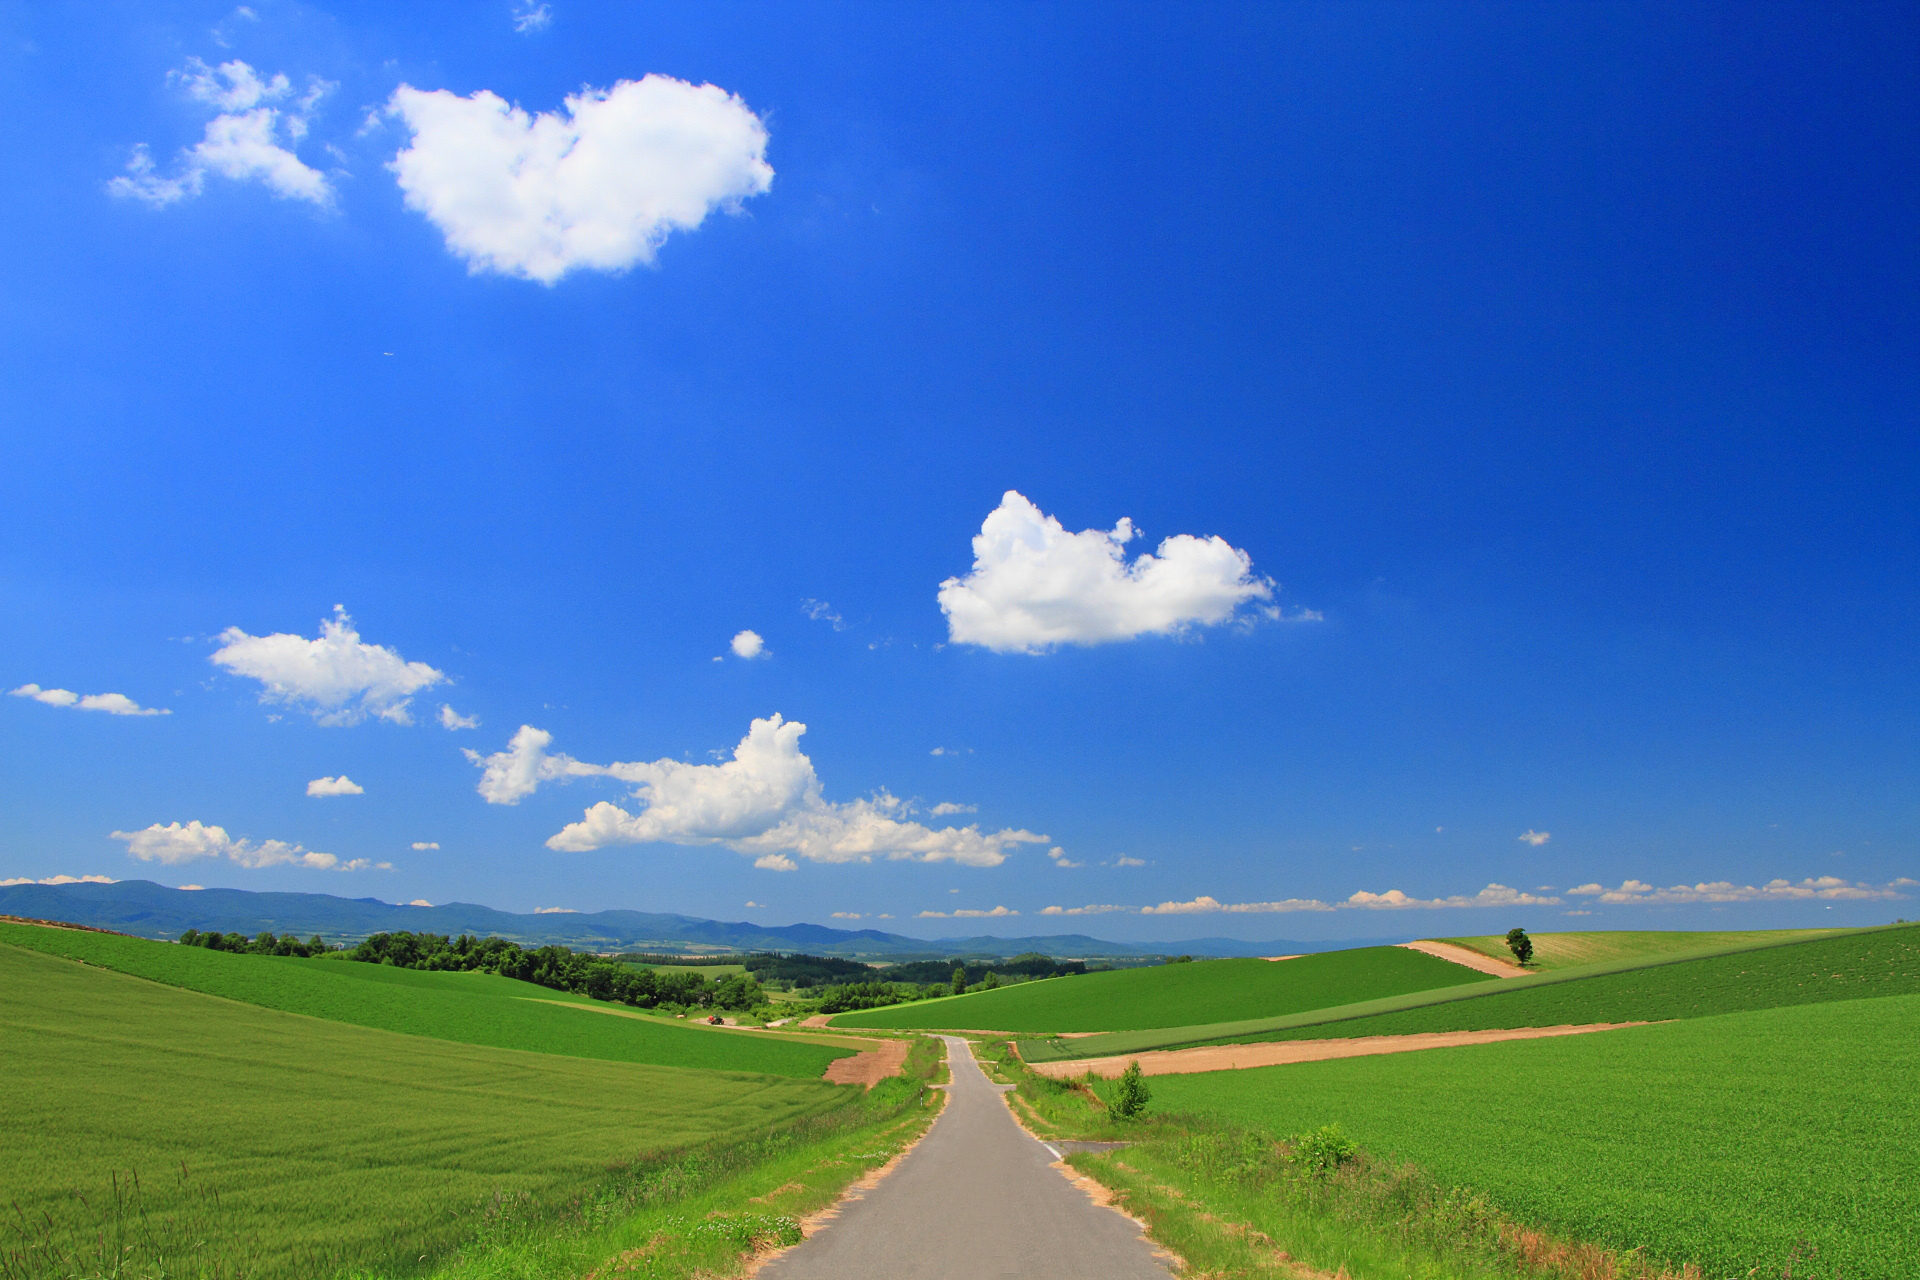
[471, 1008]
[1570, 950]
[1180, 994]
[1881, 962]
[1718, 1140]
[1831, 965]
[307, 1145]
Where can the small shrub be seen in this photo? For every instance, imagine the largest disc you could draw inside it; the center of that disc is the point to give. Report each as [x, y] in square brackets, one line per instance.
[1323, 1150]
[1131, 1096]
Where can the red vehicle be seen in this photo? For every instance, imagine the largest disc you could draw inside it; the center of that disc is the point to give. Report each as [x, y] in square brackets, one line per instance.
[713, 1019]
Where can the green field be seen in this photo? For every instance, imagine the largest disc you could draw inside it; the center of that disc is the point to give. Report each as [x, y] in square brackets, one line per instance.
[1571, 950]
[470, 1008]
[1854, 965]
[1881, 960]
[1176, 995]
[1720, 1140]
[307, 1144]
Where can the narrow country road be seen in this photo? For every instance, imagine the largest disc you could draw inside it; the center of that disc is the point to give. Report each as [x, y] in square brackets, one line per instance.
[976, 1200]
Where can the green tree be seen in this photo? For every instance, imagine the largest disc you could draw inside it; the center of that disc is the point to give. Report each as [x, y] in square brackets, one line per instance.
[991, 982]
[959, 980]
[1520, 944]
[1131, 1096]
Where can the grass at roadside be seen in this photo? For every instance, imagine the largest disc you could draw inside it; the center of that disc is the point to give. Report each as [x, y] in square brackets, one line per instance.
[1180, 994]
[1722, 1141]
[269, 1145]
[703, 1214]
[470, 1008]
[1570, 950]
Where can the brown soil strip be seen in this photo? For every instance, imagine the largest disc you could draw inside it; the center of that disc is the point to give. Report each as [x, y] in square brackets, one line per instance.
[1277, 959]
[1231, 1057]
[871, 1067]
[1471, 959]
[818, 1020]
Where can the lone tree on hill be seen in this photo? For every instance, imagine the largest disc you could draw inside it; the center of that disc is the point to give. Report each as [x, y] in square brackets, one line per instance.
[1520, 944]
[1132, 1095]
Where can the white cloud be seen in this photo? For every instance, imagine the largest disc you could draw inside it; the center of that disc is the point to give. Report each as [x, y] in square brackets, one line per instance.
[1830, 888]
[451, 719]
[757, 905]
[1203, 905]
[765, 801]
[4, 884]
[1060, 858]
[175, 844]
[600, 184]
[340, 786]
[529, 17]
[748, 644]
[421, 846]
[951, 751]
[821, 611]
[1535, 838]
[1494, 895]
[966, 913]
[114, 704]
[946, 807]
[1088, 910]
[1124, 861]
[847, 915]
[417, 902]
[193, 888]
[337, 679]
[242, 142]
[1034, 585]
[555, 911]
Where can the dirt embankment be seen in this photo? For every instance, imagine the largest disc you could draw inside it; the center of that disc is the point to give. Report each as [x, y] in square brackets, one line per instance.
[1471, 959]
[1231, 1057]
[62, 924]
[871, 1066]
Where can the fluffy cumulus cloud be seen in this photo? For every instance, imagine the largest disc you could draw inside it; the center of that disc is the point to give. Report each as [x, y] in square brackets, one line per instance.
[1091, 909]
[1494, 895]
[421, 846]
[340, 786]
[176, 843]
[1532, 837]
[114, 704]
[1204, 905]
[946, 807]
[451, 719]
[250, 138]
[7, 884]
[599, 184]
[1829, 888]
[339, 679]
[967, 913]
[1035, 586]
[748, 644]
[766, 801]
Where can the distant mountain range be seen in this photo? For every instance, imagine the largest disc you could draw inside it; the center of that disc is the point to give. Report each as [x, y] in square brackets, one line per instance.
[150, 910]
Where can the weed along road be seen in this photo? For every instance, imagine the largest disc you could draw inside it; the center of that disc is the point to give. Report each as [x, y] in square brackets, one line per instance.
[977, 1199]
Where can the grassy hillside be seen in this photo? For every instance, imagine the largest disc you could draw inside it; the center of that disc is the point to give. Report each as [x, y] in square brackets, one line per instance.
[293, 1146]
[470, 1008]
[1178, 994]
[1884, 962]
[1720, 1140]
[1571, 950]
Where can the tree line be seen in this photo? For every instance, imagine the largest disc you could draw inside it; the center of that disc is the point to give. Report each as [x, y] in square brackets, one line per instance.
[559, 969]
[262, 944]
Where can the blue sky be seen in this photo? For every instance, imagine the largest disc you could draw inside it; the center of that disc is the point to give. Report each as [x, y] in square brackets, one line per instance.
[1517, 403]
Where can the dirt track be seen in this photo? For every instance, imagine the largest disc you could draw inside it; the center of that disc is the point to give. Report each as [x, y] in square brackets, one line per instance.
[1231, 1057]
[1471, 959]
[869, 1067]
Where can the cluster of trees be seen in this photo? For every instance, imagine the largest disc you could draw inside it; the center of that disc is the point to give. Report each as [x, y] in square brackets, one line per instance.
[1019, 969]
[560, 969]
[803, 972]
[262, 944]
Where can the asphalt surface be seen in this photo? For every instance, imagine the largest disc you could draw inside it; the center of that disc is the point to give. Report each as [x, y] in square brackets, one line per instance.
[975, 1200]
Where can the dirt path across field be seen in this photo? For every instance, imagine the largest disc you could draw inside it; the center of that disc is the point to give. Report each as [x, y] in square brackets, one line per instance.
[1471, 959]
[1231, 1057]
[871, 1066]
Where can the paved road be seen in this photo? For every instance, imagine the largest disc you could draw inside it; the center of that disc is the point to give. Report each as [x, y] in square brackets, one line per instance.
[976, 1200]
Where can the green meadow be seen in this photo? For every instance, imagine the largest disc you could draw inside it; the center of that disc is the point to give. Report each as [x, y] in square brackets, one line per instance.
[1724, 1140]
[470, 1008]
[1175, 995]
[201, 1136]
[1851, 966]
[1571, 950]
